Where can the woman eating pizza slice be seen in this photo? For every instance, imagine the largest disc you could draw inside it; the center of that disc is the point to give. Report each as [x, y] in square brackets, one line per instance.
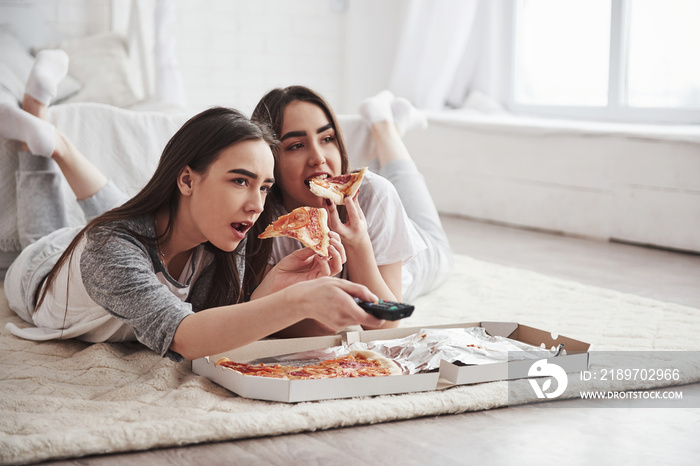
[390, 228]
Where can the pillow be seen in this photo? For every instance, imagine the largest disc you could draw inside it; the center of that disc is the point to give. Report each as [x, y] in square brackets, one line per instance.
[16, 63]
[101, 63]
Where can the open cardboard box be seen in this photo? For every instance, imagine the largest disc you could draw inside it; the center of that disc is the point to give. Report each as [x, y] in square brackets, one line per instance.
[284, 390]
[576, 358]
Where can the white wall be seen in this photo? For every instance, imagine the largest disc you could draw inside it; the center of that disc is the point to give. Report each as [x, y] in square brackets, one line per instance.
[233, 51]
[46, 22]
[372, 35]
[603, 181]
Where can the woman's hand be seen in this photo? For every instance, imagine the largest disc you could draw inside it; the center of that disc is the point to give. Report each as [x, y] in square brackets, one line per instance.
[330, 303]
[326, 302]
[354, 231]
[385, 280]
[303, 265]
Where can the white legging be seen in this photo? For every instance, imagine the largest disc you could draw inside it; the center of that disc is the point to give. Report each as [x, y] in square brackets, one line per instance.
[431, 267]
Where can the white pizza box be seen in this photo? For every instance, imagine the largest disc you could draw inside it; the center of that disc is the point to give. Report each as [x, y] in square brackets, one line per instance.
[575, 358]
[265, 388]
[290, 391]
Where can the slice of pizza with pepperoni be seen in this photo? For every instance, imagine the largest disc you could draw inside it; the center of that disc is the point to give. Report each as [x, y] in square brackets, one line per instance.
[306, 224]
[338, 187]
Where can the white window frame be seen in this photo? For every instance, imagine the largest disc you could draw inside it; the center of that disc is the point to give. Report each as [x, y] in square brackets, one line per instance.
[616, 109]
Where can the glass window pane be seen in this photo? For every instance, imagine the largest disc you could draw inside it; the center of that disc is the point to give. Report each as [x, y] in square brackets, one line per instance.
[663, 67]
[562, 52]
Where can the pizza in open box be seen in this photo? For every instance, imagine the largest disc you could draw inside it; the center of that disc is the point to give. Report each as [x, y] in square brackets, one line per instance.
[357, 363]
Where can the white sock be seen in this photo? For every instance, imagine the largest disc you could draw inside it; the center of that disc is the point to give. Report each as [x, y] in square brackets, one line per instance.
[406, 116]
[50, 67]
[377, 108]
[38, 134]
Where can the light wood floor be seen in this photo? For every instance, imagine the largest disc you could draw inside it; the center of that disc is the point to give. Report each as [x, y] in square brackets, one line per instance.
[519, 435]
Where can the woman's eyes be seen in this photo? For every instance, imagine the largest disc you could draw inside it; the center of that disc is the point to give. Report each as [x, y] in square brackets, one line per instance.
[299, 145]
[245, 182]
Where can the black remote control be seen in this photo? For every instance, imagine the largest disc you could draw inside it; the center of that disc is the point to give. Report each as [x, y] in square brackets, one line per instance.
[387, 310]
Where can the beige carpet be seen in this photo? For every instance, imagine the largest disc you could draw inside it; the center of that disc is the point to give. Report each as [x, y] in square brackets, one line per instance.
[68, 399]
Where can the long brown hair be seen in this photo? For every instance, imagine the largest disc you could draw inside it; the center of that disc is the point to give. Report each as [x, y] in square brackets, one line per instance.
[270, 111]
[197, 145]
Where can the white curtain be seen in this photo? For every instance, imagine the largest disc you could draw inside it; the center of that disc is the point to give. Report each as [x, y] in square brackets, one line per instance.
[149, 28]
[170, 86]
[439, 50]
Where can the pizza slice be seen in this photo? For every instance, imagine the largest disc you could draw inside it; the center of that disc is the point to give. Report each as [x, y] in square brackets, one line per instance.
[338, 187]
[377, 361]
[306, 224]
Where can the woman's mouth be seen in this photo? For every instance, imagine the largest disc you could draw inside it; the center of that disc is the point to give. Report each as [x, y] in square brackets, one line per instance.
[322, 176]
[241, 228]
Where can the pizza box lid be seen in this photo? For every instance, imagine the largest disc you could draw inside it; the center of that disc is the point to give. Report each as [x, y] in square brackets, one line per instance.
[265, 388]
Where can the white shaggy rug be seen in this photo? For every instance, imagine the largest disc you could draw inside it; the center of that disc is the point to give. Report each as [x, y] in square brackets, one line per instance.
[68, 399]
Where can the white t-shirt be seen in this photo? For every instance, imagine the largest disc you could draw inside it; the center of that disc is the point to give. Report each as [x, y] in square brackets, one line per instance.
[394, 237]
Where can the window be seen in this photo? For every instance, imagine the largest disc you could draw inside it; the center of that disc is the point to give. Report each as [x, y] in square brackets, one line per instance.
[619, 60]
